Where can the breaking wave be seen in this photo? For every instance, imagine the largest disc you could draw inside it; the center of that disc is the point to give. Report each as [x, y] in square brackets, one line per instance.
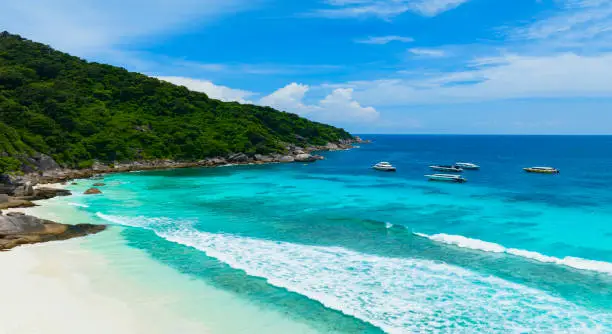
[398, 295]
[80, 205]
[574, 262]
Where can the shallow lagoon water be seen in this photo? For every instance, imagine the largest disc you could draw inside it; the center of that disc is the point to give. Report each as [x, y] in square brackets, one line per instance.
[338, 247]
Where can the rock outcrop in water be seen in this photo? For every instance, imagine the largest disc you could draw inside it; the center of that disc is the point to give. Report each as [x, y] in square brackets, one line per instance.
[18, 229]
[92, 191]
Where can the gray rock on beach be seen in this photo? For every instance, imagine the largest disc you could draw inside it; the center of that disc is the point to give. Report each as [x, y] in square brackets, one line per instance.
[18, 223]
[16, 186]
[286, 158]
[18, 229]
[263, 158]
[238, 157]
[98, 166]
[46, 193]
[332, 147]
[305, 157]
[216, 161]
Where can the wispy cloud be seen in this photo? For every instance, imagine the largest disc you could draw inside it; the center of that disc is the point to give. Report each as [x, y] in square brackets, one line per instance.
[565, 54]
[566, 75]
[423, 52]
[385, 9]
[87, 27]
[384, 39]
[255, 69]
[435, 7]
[578, 24]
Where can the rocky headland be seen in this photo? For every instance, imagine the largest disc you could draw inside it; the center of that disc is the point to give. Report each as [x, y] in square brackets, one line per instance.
[22, 186]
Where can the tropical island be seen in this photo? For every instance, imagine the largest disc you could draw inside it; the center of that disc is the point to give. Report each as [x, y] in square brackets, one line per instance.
[77, 112]
[62, 117]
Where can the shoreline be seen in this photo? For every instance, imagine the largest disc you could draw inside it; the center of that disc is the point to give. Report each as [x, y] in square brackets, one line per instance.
[64, 271]
[24, 191]
[295, 154]
[104, 285]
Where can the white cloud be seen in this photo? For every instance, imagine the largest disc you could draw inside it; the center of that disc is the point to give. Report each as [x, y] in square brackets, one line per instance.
[384, 39]
[289, 98]
[566, 75]
[214, 91]
[340, 106]
[386, 9]
[423, 52]
[337, 107]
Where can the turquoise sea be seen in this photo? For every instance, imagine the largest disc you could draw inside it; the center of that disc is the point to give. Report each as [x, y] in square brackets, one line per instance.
[338, 247]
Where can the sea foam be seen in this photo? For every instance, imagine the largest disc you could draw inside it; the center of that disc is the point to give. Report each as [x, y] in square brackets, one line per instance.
[398, 295]
[574, 262]
[80, 205]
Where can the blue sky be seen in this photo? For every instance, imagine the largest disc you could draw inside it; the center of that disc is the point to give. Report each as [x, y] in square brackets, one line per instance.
[371, 66]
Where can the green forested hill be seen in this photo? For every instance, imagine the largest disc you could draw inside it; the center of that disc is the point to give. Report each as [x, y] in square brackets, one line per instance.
[77, 111]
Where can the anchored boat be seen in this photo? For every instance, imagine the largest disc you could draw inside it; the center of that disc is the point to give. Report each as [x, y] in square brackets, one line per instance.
[467, 165]
[447, 168]
[542, 170]
[384, 167]
[446, 178]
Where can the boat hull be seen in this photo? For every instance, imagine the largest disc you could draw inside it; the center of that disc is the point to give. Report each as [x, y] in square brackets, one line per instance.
[385, 169]
[439, 178]
[540, 171]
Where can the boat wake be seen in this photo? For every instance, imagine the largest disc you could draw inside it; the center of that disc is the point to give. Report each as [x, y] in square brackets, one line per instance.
[476, 244]
[398, 295]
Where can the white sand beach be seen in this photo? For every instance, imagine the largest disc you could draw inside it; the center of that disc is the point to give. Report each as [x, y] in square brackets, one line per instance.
[98, 284]
[50, 288]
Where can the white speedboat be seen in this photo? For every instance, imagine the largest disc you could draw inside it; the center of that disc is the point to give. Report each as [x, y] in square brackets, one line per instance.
[384, 166]
[446, 168]
[467, 165]
[446, 178]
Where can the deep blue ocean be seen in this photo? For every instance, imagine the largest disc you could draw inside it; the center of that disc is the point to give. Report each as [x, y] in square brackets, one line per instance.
[346, 249]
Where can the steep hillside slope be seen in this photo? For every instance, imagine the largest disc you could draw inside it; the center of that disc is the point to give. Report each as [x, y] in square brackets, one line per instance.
[77, 111]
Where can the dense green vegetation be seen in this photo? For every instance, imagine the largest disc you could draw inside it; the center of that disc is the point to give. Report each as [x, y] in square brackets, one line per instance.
[77, 111]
